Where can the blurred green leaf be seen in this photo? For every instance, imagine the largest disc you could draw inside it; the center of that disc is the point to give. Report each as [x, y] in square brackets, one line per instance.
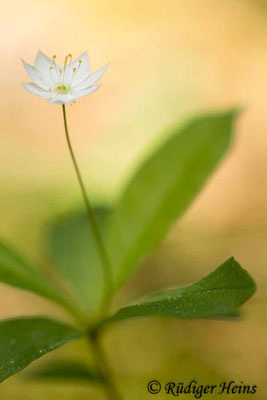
[15, 271]
[163, 188]
[67, 371]
[24, 340]
[218, 294]
[229, 316]
[70, 246]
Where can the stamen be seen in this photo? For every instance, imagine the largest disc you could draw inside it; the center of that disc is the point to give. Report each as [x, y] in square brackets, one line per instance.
[50, 73]
[55, 65]
[64, 68]
[66, 60]
[74, 73]
[80, 62]
[70, 57]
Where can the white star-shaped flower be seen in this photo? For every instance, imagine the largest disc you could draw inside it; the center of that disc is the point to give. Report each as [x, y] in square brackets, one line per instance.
[62, 85]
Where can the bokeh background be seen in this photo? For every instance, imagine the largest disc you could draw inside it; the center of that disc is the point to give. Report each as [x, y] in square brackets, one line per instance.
[169, 60]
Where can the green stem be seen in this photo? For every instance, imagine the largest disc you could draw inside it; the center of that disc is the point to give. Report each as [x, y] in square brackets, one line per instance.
[99, 242]
[103, 367]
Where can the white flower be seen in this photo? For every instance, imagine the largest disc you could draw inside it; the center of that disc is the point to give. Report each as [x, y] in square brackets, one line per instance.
[62, 85]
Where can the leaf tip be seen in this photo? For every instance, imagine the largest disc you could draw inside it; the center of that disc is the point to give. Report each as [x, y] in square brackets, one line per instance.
[243, 273]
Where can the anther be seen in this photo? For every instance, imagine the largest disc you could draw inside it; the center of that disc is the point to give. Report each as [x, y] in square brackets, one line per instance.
[51, 67]
[80, 61]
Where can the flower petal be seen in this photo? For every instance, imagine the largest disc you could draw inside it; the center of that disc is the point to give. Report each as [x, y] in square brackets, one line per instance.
[43, 63]
[93, 78]
[36, 76]
[81, 93]
[82, 68]
[61, 99]
[35, 89]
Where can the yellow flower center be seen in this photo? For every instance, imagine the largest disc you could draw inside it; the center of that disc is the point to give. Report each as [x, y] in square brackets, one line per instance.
[62, 89]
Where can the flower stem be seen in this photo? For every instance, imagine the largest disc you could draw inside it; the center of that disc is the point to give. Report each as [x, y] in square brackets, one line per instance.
[98, 239]
[102, 365]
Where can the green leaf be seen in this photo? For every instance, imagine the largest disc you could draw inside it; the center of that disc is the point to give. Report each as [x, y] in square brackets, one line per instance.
[164, 186]
[70, 246]
[24, 340]
[67, 371]
[15, 271]
[216, 295]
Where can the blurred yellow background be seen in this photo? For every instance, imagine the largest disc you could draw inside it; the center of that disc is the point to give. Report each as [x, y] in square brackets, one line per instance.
[168, 60]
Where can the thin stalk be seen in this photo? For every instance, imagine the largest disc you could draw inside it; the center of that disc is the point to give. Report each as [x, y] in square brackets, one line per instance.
[98, 239]
[102, 365]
